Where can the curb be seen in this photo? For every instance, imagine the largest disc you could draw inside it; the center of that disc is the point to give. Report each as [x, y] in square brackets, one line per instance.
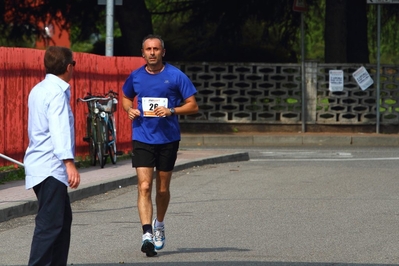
[14, 210]
[258, 140]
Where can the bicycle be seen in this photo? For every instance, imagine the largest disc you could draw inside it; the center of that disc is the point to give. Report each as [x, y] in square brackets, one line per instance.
[100, 127]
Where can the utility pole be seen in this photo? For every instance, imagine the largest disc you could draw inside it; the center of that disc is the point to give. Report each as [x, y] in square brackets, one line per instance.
[109, 39]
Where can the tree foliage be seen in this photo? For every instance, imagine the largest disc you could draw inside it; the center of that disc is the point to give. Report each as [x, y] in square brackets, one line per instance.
[213, 30]
[220, 31]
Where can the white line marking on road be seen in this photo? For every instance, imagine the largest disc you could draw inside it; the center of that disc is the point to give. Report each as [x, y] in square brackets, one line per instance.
[325, 160]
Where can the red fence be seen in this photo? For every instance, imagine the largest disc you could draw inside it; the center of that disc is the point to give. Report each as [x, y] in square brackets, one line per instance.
[21, 69]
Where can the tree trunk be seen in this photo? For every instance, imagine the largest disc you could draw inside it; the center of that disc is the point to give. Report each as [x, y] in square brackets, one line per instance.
[335, 31]
[357, 45]
[135, 23]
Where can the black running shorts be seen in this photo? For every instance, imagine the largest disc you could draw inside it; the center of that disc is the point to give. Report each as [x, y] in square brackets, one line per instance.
[160, 156]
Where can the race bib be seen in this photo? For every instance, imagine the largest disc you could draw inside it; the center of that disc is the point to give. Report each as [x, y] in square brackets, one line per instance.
[149, 104]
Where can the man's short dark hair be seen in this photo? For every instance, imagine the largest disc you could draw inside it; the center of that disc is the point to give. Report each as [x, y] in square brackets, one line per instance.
[57, 59]
[154, 36]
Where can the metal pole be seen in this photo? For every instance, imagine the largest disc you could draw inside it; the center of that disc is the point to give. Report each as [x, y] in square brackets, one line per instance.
[378, 66]
[303, 73]
[109, 40]
[11, 160]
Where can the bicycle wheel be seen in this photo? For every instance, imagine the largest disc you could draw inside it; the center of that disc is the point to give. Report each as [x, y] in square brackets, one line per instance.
[92, 152]
[112, 140]
[105, 146]
[101, 142]
[92, 143]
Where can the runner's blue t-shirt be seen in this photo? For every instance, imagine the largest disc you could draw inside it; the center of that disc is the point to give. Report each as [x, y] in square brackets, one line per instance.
[171, 84]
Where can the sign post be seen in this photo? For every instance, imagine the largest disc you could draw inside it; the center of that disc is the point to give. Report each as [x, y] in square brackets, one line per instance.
[378, 3]
[301, 6]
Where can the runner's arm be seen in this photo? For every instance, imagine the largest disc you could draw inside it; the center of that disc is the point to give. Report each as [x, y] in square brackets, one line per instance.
[189, 107]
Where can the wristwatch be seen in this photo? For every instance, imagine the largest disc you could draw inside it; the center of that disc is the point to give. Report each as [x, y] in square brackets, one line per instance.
[172, 111]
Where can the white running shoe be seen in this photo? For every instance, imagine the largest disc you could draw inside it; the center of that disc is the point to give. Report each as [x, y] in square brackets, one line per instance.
[147, 245]
[159, 236]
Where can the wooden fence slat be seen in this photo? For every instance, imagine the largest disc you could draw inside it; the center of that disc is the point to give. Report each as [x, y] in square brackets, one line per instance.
[21, 69]
[3, 64]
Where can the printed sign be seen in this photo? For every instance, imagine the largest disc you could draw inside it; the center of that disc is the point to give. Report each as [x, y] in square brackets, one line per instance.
[149, 104]
[336, 80]
[300, 6]
[382, 1]
[363, 78]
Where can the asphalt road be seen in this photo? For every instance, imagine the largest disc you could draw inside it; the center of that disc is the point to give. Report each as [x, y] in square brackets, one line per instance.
[286, 206]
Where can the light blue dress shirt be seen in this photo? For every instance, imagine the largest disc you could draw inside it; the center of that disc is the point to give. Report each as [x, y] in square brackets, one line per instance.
[51, 131]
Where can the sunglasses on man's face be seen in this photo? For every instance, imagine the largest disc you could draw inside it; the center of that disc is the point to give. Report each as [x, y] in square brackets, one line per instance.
[73, 63]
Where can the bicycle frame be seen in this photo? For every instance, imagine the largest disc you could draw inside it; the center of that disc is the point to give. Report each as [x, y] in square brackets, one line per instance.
[100, 128]
[107, 133]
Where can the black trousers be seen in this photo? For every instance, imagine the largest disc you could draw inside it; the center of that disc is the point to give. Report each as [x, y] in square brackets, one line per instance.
[52, 235]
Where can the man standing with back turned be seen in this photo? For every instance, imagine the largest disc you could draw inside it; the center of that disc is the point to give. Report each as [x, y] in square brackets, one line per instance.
[49, 159]
[163, 92]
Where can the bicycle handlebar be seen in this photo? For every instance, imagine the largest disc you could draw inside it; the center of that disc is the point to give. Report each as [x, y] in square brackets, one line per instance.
[94, 98]
[110, 94]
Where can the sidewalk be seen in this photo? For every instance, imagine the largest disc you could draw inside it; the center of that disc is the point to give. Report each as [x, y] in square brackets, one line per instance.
[196, 150]
[16, 201]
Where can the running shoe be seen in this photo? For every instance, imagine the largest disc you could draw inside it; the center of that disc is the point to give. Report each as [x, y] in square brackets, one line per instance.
[147, 246]
[159, 236]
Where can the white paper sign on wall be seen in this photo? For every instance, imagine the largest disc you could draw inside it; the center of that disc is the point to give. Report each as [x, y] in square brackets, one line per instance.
[363, 78]
[336, 81]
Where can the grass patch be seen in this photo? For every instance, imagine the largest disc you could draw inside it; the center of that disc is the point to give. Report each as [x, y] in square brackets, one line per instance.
[10, 173]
